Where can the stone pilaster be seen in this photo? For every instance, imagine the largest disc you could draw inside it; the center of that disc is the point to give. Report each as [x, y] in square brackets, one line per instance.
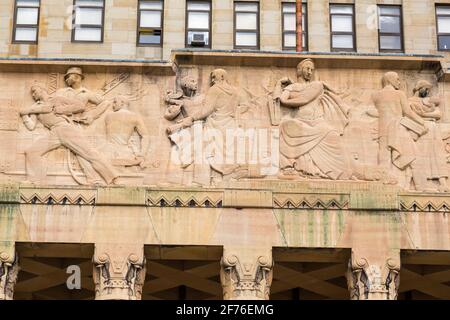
[246, 273]
[9, 270]
[119, 271]
[374, 278]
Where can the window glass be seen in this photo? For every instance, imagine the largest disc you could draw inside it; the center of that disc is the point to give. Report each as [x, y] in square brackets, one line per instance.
[342, 27]
[26, 34]
[246, 25]
[390, 28]
[390, 42]
[246, 39]
[27, 15]
[26, 21]
[198, 20]
[89, 16]
[246, 21]
[342, 23]
[151, 19]
[198, 23]
[88, 34]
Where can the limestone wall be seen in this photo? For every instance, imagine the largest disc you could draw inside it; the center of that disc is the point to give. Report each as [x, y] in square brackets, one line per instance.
[121, 22]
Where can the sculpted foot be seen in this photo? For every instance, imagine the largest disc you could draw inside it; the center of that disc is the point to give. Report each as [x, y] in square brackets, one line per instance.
[288, 174]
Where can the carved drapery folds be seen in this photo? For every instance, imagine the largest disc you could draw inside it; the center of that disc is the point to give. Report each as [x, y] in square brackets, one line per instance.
[9, 270]
[119, 272]
[372, 280]
[246, 273]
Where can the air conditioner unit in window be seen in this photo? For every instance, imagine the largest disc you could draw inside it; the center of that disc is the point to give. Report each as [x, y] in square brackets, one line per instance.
[198, 40]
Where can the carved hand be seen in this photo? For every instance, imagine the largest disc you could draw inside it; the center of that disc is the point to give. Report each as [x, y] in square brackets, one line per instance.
[187, 122]
[86, 120]
[285, 81]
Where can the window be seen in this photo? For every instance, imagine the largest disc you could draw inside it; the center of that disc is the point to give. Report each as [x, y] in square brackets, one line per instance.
[290, 25]
[26, 21]
[246, 25]
[342, 22]
[198, 24]
[443, 27]
[390, 31]
[150, 22]
[88, 18]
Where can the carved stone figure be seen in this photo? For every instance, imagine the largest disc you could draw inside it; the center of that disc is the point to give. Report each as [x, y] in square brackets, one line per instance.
[180, 106]
[310, 136]
[246, 274]
[119, 273]
[9, 270]
[53, 113]
[218, 113]
[94, 103]
[430, 146]
[397, 127]
[120, 126]
[368, 281]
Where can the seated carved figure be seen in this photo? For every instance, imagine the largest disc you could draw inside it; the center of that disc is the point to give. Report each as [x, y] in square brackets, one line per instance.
[310, 136]
[430, 146]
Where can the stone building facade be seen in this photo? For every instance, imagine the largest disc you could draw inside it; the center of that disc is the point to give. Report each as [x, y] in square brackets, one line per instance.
[183, 150]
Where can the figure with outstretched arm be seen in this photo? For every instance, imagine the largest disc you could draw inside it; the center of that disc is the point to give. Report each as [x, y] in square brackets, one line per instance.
[53, 113]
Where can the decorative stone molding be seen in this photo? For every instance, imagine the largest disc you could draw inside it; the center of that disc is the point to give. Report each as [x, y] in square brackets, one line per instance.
[246, 273]
[311, 201]
[9, 270]
[369, 280]
[421, 203]
[183, 198]
[119, 272]
[58, 196]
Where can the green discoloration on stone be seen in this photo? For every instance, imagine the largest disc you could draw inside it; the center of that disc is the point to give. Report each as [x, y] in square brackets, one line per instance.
[310, 228]
[378, 199]
[325, 223]
[340, 222]
[9, 194]
[121, 196]
[8, 216]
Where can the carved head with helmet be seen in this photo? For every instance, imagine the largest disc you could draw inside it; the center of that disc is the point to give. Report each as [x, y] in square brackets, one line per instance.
[74, 76]
[422, 88]
[305, 69]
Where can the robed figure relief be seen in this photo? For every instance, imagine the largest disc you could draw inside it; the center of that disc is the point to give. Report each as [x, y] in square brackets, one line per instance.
[310, 136]
[430, 146]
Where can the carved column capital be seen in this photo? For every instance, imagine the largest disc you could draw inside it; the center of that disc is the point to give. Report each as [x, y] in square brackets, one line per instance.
[9, 270]
[119, 271]
[374, 278]
[246, 273]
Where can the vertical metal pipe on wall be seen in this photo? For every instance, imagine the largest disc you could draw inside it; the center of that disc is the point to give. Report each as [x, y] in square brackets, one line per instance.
[299, 18]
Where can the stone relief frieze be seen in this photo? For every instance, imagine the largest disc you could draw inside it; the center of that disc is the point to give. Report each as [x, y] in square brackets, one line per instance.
[209, 127]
